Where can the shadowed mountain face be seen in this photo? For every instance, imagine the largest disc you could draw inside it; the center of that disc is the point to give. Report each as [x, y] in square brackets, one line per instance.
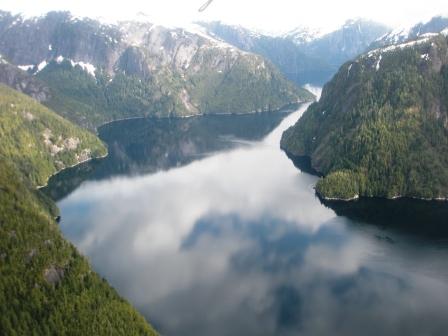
[101, 72]
[304, 56]
[346, 43]
[19, 80]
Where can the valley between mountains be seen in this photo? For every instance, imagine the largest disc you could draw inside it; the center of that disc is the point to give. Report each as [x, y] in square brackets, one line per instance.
[379, 130]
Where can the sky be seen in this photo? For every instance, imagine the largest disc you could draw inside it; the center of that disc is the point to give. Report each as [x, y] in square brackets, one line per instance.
[264, 15]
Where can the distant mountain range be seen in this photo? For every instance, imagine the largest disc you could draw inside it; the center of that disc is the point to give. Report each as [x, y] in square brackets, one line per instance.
[304, 55]
[92, 73]
[434, 26]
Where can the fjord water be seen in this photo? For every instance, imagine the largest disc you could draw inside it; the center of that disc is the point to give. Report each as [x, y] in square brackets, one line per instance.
[222, 235]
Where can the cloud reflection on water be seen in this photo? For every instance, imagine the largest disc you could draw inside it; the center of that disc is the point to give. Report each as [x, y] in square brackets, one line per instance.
[237, 243]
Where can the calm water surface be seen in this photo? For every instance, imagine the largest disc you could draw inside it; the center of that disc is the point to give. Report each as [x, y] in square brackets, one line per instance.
[207, 228]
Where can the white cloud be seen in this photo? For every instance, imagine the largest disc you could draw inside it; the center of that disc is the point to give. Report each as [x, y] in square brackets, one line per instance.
[273, 15]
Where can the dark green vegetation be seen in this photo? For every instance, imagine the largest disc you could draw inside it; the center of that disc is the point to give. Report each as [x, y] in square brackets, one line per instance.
[46, 286]
[250, 85]
[38, 141]
[339, 185]
[381, 126]
[90, 101]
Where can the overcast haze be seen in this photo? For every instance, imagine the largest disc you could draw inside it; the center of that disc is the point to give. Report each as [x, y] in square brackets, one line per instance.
[267, 15]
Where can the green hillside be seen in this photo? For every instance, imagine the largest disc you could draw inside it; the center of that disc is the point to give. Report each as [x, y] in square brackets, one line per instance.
[90, 101]
[39, 142]
[46, 286]
[381, 126]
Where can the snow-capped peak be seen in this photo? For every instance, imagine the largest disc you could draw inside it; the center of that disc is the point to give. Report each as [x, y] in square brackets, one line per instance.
[302, 35]
[434, 26]
[198, 30]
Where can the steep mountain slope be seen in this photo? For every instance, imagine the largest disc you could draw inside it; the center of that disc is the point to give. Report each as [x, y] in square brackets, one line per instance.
[303, 35]
[46, 286]
[291, 59]
[23, 82]
[304, 56]
[38, 141]
[381, 125]
[98, 72]
[345, 43]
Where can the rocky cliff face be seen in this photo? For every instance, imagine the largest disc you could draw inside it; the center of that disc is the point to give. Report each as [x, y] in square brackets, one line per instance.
[19, 80]
[290, 58]
[162, 71]
[303, 55]
[36, 40]
[351, 40]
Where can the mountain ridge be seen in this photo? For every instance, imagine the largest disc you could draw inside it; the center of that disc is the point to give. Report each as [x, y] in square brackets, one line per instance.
[158, 71]
[400, 35]
[315, 58]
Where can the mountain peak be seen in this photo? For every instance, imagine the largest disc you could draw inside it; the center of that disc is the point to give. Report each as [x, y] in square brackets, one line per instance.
[435, 25]
[303, 35]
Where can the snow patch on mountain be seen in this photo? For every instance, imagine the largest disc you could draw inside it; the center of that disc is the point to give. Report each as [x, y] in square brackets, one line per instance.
[396, 35]
[198, 30]
[349, 69]
[25, 67]
[87, 67]
[378, 62]
[41, 66]
[432, 27]
[303, 35]
[397, 46]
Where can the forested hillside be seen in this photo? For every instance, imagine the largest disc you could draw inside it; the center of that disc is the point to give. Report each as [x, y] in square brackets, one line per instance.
[46, 286]
[381, 126]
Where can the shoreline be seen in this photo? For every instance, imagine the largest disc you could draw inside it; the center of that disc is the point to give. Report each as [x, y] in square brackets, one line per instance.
[305, 160]
[285, 108]
[335, 199]
[72, 166]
